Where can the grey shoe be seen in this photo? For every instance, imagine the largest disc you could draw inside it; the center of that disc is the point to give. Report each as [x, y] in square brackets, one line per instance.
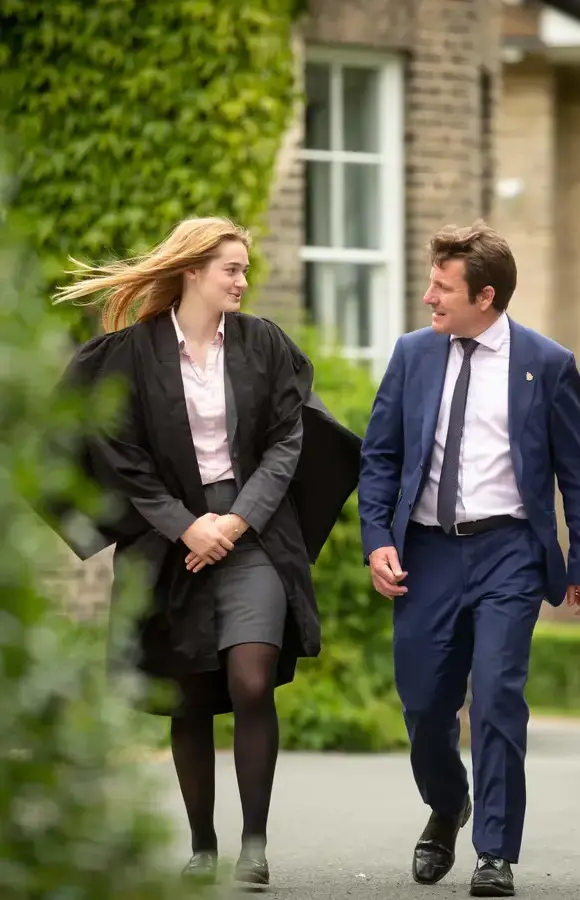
[202, 867]
[252, 866]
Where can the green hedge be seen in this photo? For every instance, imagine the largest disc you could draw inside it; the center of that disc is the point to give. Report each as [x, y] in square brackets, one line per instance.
[74, 822]
[554, 680]
[130, 115]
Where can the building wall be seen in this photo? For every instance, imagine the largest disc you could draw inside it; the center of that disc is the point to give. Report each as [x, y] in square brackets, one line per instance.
[527, 171]
[449, 135]
[539, 147]
[566, 326]
[445, 45]
[285, 224]
[373, 24]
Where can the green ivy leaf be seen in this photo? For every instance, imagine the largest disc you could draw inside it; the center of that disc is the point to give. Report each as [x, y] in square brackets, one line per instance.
[132, 115]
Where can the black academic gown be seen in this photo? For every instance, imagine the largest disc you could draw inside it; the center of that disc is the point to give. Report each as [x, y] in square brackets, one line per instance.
[152, 454]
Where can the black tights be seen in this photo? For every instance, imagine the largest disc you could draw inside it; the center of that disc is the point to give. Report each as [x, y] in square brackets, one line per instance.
[251, 670]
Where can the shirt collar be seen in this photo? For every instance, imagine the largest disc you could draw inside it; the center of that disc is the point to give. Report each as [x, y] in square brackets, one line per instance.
[181, 337]
[494, 336]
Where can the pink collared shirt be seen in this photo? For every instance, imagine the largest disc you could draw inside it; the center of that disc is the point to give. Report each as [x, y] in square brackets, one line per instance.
[205, 399]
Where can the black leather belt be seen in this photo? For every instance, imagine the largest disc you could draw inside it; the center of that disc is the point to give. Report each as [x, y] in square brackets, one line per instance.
[465, 529]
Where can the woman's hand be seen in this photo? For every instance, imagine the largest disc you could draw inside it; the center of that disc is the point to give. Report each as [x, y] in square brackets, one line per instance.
[206, 541]
[230, 526]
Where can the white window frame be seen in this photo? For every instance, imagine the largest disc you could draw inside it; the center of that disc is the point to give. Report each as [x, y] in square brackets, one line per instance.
[387, 307]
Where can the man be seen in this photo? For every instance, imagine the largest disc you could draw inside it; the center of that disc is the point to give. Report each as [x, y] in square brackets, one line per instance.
[473, 419]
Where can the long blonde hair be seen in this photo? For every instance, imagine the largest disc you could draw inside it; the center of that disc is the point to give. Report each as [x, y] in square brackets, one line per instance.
[140, 288]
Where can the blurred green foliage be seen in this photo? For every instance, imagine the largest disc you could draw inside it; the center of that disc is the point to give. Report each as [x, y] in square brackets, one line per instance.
[74, 819]
[134, 114]
[554, 679]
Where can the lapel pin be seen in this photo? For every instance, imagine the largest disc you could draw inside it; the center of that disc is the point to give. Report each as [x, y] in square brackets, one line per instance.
[529, 376]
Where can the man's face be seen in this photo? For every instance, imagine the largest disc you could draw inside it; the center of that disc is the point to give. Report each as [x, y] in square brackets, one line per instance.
[448, 297]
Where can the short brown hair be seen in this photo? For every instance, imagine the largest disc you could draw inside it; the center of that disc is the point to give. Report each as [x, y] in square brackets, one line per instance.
[488, 259]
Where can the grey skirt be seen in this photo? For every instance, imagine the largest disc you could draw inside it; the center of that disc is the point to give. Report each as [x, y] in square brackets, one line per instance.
[248, 595]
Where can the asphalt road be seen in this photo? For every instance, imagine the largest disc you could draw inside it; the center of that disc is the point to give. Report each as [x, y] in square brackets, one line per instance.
[345, 826]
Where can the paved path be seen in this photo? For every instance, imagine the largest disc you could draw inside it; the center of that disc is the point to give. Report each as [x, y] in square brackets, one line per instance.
[344, 826]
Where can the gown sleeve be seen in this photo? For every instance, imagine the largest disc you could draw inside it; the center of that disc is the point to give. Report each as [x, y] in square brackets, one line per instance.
[116, 456]
[262, 494]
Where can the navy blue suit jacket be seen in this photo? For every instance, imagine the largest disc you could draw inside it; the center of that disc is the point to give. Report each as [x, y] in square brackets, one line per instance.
[544, 431]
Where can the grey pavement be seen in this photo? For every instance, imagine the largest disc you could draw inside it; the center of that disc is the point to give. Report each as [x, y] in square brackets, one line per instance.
[344, 826]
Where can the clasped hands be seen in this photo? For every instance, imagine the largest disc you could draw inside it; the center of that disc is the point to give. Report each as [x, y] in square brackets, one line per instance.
[211, 538]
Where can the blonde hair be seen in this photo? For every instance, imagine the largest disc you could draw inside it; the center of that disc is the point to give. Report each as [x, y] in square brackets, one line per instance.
[138, 289]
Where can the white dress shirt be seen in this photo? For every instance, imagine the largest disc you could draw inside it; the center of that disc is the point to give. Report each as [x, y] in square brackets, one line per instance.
[487, 485]
[205, 399]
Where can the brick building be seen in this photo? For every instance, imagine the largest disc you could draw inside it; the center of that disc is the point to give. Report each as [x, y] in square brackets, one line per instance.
[538, 174]
[537, 203]
[417, 114]
[396, 137]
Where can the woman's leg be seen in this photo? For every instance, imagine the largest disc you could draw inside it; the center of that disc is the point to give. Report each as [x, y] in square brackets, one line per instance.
[251, 671]
[192, 744]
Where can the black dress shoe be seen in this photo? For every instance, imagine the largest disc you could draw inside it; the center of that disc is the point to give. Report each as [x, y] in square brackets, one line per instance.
[252, 867]
[493, 877]
[435, 851]
[202, 867]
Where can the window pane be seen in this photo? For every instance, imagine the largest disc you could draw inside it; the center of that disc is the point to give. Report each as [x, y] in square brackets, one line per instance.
[353, 302]
[317, 107]
[338, 299]
[361, 206]
[318, 204]
[361, 110]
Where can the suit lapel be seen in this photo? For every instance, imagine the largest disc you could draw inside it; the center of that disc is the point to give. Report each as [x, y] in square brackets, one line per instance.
[434, 367]
[522, 386]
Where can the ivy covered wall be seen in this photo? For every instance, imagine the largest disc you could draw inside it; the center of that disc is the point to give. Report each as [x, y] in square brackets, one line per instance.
[129, 115]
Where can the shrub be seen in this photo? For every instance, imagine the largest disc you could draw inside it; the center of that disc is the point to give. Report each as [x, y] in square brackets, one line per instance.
[73, 819]
[554, 679]
[134, 114]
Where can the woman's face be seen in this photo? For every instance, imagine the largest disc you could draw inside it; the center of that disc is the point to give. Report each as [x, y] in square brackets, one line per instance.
[220, 285]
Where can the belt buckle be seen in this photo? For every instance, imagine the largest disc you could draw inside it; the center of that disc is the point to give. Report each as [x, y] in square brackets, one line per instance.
[459, 533]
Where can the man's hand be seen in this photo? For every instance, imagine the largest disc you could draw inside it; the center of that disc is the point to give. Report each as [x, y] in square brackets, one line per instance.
[206, 540]
[231, 527]
[386, 572]
[573, 597]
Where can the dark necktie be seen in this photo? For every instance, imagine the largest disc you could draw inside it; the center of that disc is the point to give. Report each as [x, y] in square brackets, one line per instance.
[449, 481]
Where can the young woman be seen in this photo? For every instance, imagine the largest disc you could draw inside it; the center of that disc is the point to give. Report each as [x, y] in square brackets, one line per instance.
[230, 475]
